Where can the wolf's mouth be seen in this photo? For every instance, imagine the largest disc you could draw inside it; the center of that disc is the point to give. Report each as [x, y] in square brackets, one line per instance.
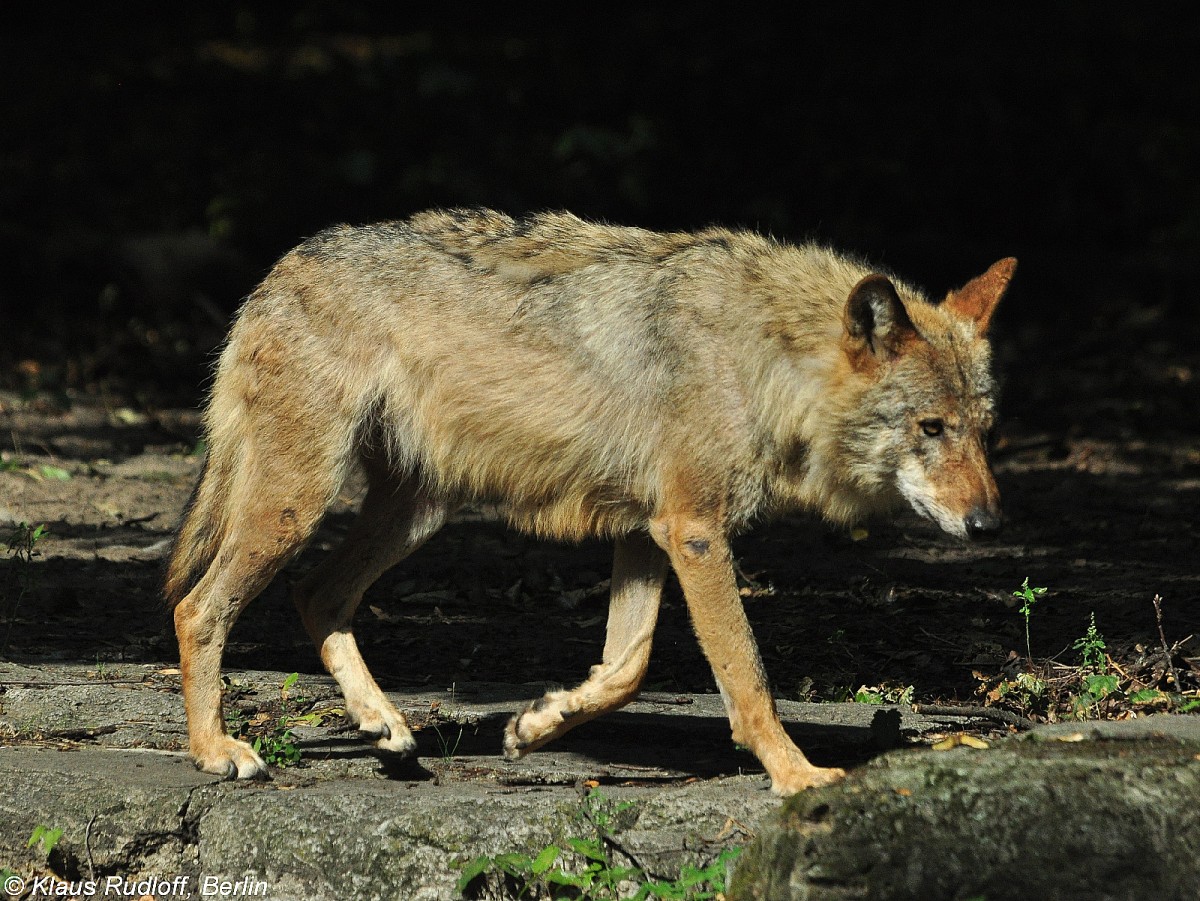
[951, 525]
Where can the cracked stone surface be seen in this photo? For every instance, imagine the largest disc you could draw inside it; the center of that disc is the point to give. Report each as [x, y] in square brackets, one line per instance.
[125, 812]
[86, 753]
[349, 826]
[141, 814]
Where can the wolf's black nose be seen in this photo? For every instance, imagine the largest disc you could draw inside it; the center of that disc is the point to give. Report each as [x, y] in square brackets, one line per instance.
[982, 523]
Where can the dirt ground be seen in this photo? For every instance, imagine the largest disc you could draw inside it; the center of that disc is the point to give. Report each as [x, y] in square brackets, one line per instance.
[1100, 511]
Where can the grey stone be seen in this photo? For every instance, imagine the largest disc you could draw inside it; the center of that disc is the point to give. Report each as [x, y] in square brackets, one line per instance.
[151, 815]
[1080, 811]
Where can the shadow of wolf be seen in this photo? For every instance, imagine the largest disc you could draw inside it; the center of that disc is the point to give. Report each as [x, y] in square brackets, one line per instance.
[665, 390]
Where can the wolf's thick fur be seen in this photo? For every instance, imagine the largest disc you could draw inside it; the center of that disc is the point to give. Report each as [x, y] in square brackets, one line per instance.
[662, 389]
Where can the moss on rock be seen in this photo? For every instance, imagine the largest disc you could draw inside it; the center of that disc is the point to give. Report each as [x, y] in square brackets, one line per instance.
[1031, 819]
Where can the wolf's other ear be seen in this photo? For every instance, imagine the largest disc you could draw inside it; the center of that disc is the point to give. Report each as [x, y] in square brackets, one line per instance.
[977, 299]
[876, 315]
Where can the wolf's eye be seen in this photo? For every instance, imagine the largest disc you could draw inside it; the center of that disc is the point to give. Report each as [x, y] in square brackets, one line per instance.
[932, 427]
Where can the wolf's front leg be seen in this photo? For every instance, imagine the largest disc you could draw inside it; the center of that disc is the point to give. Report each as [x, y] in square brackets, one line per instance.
[700, 555]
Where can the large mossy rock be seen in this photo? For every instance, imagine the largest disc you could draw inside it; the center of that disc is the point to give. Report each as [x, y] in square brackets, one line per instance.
[1055, 816]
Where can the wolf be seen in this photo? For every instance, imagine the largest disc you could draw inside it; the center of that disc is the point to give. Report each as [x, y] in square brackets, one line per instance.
[665, 390]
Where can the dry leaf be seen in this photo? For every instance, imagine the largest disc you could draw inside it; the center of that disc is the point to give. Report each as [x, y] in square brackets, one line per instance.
[382, 615]
[961, 740]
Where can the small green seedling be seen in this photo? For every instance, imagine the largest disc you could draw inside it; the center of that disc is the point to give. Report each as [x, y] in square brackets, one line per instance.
[277, 746]
[883, 694]
[447, 747]
[1091, 648]
[583, 867]
[867, 696]
[46, 837]
[288, 684]
[1026, 690]
[22, 541]
[1096, 687]
[1029, 597]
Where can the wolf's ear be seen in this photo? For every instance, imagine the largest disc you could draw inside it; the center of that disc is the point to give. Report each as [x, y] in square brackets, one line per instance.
[977, 299]
[876, 315]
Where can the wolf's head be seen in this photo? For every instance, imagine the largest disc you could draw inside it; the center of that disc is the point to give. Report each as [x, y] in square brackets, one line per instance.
[922, 422]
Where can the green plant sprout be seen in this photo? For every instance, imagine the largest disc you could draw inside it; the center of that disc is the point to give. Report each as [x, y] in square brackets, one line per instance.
[22, 540]
[277, 746]
[46, 837]
[448, 749]
[1091, 648]
[1029, 597]
[583, 867]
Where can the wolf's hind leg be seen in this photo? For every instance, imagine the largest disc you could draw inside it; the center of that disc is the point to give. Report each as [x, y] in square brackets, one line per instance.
[395, 519]
[639, 568]
[279, 503]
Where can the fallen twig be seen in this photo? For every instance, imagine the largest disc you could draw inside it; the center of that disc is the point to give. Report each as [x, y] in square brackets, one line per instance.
[78, 734]
[29, 683]
[1007, 717]
[87, 846]
[1167, 650]
[606, 836]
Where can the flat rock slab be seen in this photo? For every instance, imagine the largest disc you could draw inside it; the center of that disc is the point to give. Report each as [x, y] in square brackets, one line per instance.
[1074, 811]
[659, 737]
[98, 754]
[151, 818]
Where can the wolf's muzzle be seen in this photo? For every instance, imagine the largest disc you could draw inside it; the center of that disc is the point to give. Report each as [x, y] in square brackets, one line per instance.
[983, 523]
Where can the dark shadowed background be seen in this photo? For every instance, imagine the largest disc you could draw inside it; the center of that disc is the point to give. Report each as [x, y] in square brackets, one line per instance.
[155, 159]
[155, 162]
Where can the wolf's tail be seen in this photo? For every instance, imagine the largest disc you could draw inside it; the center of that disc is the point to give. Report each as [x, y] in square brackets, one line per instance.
[203, 528]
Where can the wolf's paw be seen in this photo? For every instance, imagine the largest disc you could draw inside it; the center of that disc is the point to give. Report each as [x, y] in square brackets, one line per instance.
[229, 758]
[537, 724]
[517, 740]
[805, 777]
[390, 733]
